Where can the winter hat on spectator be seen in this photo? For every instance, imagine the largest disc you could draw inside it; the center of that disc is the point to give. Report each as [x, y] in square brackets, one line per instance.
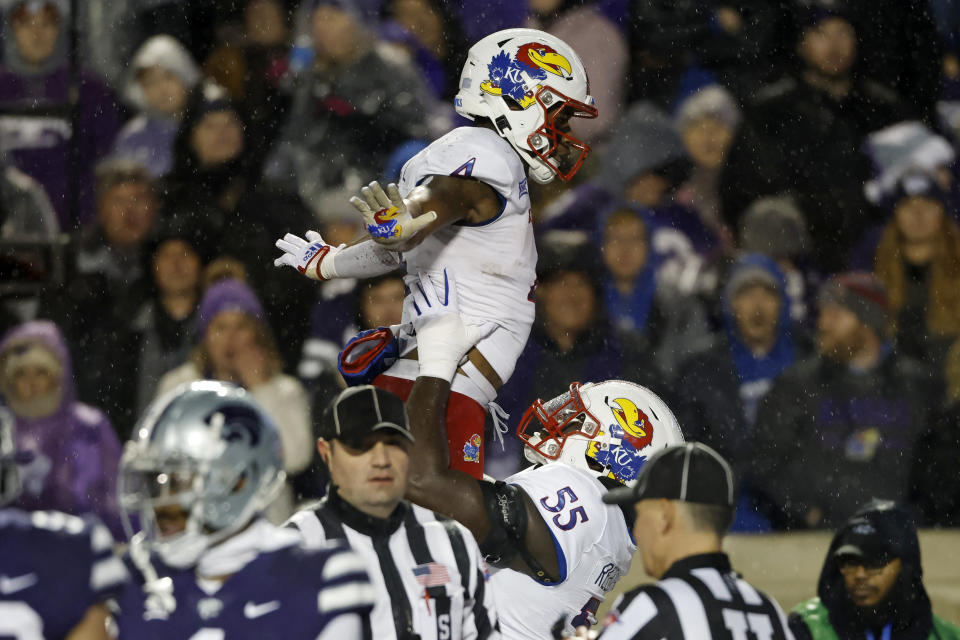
[862, 293]
[167, 53]
[899, 149]
[227, 295]
[918, 183]
[774, 226]
[713, 101]
[647, 143]
[35, 6]
[750, 273]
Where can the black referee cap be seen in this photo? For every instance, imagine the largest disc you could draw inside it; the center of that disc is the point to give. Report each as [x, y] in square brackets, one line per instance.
[690, 472]
[360, 411]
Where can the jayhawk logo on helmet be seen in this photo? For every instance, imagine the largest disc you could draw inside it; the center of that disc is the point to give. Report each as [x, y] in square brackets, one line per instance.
[534, 59]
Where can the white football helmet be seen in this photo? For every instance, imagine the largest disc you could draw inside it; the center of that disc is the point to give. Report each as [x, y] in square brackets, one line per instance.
[615, 424]
[529, 84]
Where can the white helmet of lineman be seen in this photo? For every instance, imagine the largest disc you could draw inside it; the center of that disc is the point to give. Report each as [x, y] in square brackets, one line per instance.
[529, 84]
[613, 425]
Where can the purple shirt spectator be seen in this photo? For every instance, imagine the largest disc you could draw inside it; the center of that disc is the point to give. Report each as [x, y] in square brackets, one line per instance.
[75, 447]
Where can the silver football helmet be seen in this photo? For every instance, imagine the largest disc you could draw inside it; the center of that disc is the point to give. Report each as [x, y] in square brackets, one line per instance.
[207, 449]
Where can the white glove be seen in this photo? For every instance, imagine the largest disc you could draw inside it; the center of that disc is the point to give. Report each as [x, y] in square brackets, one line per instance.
[386, 216]
[311, 257]
[443, 339]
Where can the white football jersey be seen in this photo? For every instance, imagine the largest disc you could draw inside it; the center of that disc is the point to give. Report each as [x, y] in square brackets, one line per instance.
[594, 545]
[495, 262]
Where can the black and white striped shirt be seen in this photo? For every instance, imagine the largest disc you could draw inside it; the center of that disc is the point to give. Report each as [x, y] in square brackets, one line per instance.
[429, 576]
[699, 598]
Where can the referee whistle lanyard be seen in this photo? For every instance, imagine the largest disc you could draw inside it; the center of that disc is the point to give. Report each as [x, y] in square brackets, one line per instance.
[884, 635]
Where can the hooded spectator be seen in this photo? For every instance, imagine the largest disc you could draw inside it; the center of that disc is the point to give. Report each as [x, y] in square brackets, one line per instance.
[234, 344]
[160, 79]
[707, 122]
[918, 260]
[215, 182]
[841, 427]
[722, 388]
[76, 451]
[354, 102]
[642, 303]
[35, 78]
[604, 52]
[805, 133]
[871, 585]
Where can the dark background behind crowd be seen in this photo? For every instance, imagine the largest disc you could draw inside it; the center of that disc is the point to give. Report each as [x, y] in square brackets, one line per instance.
[767, 234]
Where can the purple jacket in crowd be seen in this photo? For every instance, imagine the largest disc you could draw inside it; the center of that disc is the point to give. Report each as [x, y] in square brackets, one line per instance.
[77, 451]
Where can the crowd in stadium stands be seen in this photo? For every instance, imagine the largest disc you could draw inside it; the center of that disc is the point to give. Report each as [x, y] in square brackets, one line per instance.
[767, 233]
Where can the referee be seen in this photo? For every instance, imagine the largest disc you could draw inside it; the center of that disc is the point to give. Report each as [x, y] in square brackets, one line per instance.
[427, 570]
[684, 502]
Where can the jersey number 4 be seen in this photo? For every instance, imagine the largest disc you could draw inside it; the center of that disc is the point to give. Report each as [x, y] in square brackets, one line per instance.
[571, 516]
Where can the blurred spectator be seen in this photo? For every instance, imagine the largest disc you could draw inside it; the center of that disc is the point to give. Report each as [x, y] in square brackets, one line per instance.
[899, 49]
[840, 427]
[76, 451]
[215, 181]
[707, 122]
[37, 115]
[572, 340]
[161, 331]
[352, 105]
[775, 227]
[673, 44]
[372, 303]
[918, 260]
[719, 390]
[106, 281]
[642, 304]
[604, 52]
[433, 36]
[804, 135]
[159, 81]
[252, 65]
[936, 482]
[871, 585]
[234, 344]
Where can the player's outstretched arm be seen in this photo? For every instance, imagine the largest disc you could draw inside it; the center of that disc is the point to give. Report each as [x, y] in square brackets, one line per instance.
[442, 340]
[318, 260]
[402, 223]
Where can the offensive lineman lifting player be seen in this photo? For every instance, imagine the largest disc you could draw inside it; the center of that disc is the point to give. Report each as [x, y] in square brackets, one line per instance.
[463, 204]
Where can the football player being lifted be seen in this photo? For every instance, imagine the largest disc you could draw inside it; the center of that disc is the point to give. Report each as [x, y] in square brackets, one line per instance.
[204, 463]
[556, 548]
[462, 203]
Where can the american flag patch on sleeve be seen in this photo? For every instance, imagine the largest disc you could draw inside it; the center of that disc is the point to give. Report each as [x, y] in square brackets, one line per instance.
[431, 574]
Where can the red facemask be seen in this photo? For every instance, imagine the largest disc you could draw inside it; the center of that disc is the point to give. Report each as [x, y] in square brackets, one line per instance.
[565, 153]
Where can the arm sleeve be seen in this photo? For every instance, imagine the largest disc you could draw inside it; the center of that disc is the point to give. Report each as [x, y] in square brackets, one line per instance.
[479, 611]
[364, 260]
